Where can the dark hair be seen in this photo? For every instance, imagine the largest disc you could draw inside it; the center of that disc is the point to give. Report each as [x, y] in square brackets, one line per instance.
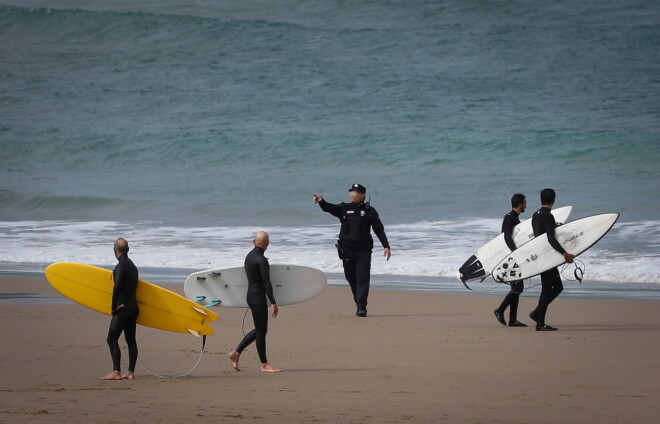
[547, 196]
[121, 245]
[517, 199]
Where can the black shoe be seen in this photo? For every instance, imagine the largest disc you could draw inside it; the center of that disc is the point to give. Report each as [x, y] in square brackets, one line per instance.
[544, 327]
[500, 316]
[517, 324]
[361, 312]
[534, 318]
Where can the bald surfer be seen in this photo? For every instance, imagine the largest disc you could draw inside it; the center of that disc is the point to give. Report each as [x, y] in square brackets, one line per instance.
[260, 291]
[125, 312]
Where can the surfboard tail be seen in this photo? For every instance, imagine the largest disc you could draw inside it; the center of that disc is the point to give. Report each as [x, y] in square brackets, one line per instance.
[472, 269]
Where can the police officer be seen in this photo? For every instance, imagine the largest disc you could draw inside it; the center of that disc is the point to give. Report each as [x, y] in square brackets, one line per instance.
[355, 242]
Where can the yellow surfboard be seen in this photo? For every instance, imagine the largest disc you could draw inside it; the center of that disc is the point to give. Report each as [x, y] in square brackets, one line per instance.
[92, 286]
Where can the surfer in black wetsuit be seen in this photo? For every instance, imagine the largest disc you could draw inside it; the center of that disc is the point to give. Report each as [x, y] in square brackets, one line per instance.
[125, 312]
[544, 223]
[355, 242]
[518, 204]
[259, 291]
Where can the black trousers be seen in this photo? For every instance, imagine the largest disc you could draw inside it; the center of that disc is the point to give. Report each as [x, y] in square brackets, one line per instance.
[512, 299]
[260, 318]
[357, 270]
[551, 286]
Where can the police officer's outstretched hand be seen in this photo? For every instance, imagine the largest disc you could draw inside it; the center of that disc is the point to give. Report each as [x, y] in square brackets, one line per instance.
[317, 198]
[387, 253]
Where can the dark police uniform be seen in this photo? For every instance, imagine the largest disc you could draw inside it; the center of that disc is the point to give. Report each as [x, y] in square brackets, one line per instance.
[356, 243]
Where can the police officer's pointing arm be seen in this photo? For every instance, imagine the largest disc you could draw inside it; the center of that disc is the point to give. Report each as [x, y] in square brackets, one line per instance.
[332, 209]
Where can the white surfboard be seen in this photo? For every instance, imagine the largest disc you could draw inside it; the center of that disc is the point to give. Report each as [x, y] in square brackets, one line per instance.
[481, 265]
[538, 255]
[228, 286]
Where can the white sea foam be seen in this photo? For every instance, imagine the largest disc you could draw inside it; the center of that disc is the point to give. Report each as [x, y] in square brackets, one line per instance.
[629, 253]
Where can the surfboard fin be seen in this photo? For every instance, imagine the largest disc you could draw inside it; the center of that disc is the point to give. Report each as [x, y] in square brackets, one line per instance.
[213, 303]
[463, 280]
[200, 298]
[201, 278]
[201, 311]
[193, 332]
[215, 274]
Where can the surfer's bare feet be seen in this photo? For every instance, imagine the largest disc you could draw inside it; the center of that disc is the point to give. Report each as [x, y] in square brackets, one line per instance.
[128, 376]
[115, 375]
[233, 357]
[266, 367]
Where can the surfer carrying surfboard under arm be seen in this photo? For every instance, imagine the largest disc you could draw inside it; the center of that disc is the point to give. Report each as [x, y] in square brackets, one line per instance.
[511, 300]
[125, 312]
[551, 286]
[260, 290]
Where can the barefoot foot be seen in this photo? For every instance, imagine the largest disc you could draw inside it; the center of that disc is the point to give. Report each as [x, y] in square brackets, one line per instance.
[128, 376]
[233, 357]
[115, 375]
[266, 367]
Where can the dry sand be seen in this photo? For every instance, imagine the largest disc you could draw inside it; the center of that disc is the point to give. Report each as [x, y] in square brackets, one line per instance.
[419, 358]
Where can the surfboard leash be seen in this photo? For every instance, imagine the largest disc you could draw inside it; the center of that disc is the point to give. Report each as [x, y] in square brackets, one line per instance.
[488, 290]
[530, 285]
[494, 287]
[578, 271]
[181, 375]
[243, 325]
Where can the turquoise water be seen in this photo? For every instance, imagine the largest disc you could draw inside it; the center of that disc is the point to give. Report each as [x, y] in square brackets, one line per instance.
[177, 123]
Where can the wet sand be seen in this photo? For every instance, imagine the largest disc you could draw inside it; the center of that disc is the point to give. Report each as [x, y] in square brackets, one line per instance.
[418, 357]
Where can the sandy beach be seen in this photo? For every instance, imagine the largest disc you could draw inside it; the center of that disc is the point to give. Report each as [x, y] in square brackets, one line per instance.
[418, 357]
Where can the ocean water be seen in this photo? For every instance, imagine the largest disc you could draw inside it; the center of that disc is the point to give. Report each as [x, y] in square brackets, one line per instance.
[187, 126]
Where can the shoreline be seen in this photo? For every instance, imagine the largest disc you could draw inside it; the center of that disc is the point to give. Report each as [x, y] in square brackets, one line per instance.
[426, 284]
[418, 357]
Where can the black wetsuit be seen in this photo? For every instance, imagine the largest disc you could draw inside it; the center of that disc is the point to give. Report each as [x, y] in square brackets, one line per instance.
[259, 289]
[513, 297]
[543, 222]
[357, 220]
[125, 277]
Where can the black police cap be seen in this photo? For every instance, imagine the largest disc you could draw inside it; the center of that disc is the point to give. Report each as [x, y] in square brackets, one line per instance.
[358, 187]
